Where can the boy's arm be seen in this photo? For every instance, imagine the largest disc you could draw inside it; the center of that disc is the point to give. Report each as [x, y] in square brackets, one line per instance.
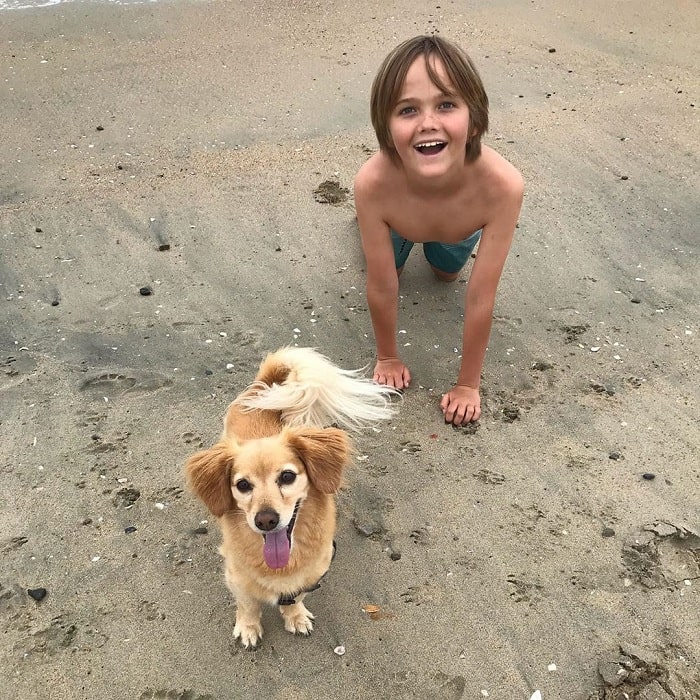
[462, 404]
[382, 288]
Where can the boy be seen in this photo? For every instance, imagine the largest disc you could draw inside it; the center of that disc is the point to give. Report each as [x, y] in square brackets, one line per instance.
[432, 182]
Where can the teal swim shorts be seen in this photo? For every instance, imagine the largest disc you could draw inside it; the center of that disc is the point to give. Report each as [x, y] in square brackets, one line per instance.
[447, 257]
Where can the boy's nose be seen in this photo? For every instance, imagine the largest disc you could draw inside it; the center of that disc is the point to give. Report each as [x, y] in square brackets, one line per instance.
[428, 122]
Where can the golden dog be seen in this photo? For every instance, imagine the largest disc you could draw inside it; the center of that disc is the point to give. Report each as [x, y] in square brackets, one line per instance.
[271, 480]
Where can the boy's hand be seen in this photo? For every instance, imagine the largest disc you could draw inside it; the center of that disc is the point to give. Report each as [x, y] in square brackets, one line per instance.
[461, 405]
[392, 372]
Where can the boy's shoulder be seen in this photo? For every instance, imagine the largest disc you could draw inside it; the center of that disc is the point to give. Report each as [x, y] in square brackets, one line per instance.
[373, 173]
[501, 176]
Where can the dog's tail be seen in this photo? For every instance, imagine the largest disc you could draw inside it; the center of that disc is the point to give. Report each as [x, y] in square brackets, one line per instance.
[308, 389]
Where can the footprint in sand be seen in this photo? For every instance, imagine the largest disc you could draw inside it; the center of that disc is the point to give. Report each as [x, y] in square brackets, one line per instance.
[12, 544]
[489, 477]
[193, 439]
[662, 555]
[523, 591]
[639, 673]
[113, 384]
[368, 511]
[14, 369]
[420, 594]
[12, 598]
[57, 636]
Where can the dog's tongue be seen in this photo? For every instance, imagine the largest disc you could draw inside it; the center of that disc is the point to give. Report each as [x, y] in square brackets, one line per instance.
[276, 549]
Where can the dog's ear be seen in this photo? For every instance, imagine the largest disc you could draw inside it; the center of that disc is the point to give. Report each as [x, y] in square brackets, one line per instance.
[208, 474]
[325, 453]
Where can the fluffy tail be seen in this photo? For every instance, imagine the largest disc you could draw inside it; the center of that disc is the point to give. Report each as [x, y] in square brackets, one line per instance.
[308, 389]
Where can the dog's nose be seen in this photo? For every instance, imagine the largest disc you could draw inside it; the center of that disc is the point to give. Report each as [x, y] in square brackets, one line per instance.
[267, 520]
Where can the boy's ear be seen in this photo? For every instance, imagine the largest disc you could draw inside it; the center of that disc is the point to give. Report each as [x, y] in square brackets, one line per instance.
[325, 453]
[208, 474]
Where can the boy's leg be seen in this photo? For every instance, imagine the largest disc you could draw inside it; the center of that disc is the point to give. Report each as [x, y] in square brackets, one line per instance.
[448, 259]
[402, 248]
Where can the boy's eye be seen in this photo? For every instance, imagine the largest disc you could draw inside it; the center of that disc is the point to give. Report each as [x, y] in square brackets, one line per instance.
[406, 110]
[447, 105]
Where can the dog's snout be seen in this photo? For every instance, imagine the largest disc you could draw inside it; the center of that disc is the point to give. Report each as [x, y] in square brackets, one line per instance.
[267, 520]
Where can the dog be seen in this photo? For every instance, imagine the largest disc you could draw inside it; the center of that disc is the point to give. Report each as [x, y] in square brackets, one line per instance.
[272, 478]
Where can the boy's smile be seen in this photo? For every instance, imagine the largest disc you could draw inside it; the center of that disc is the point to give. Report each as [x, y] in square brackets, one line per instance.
[429, 126]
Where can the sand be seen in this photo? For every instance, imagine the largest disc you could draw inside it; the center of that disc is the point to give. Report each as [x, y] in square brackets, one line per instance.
[160, 232]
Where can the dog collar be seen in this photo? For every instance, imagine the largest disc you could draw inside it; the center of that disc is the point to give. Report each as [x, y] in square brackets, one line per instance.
[290, 598]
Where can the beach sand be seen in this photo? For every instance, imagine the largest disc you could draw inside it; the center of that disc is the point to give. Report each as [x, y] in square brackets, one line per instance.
[160, 232]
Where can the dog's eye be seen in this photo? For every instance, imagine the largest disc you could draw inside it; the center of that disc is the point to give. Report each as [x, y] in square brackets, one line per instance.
[244, 486]
[287, 477]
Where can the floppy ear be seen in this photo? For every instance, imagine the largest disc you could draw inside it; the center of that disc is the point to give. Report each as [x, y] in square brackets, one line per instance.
[325, 453]
[209, 475]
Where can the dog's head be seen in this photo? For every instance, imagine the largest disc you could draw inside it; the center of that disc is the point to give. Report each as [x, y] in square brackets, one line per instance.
[268, 479]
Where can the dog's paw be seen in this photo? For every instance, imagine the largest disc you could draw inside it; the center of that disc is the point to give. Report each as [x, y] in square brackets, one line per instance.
[249, 634]
[297, 619]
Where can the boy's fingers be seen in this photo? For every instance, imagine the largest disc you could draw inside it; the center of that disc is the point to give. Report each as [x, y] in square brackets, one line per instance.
[457, 414]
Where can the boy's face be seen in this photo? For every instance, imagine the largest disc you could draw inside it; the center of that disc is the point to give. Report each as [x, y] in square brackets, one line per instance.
[429, 128]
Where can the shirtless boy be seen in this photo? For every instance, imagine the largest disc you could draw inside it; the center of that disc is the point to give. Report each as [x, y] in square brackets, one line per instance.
[432, 182]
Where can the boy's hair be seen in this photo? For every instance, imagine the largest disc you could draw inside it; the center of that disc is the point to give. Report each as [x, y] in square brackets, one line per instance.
[462, 73]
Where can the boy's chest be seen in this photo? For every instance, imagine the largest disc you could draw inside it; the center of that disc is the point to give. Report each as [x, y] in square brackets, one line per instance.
[444, 222]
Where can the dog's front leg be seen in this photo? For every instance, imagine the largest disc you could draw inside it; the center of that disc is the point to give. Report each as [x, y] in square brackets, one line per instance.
[297, 619]
[248, 626]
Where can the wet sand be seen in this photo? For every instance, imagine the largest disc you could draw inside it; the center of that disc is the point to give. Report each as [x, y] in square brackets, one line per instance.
[161, 230]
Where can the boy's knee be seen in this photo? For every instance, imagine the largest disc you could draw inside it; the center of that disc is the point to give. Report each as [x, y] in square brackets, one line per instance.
[444, 276]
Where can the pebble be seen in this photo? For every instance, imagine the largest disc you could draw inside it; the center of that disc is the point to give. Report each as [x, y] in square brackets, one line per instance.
[201, 530]
[145, 291]
[37, 593]
[608, 532]
[130, 529]
[648, 476]
[615, 456]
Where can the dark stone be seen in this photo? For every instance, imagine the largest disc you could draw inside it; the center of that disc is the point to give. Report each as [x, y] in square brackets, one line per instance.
[37, 593]
[130, 529]
[648, 476]
[145, 291]
[608, 532]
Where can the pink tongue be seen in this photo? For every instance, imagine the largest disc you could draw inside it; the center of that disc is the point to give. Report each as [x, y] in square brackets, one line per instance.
[276, 549]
